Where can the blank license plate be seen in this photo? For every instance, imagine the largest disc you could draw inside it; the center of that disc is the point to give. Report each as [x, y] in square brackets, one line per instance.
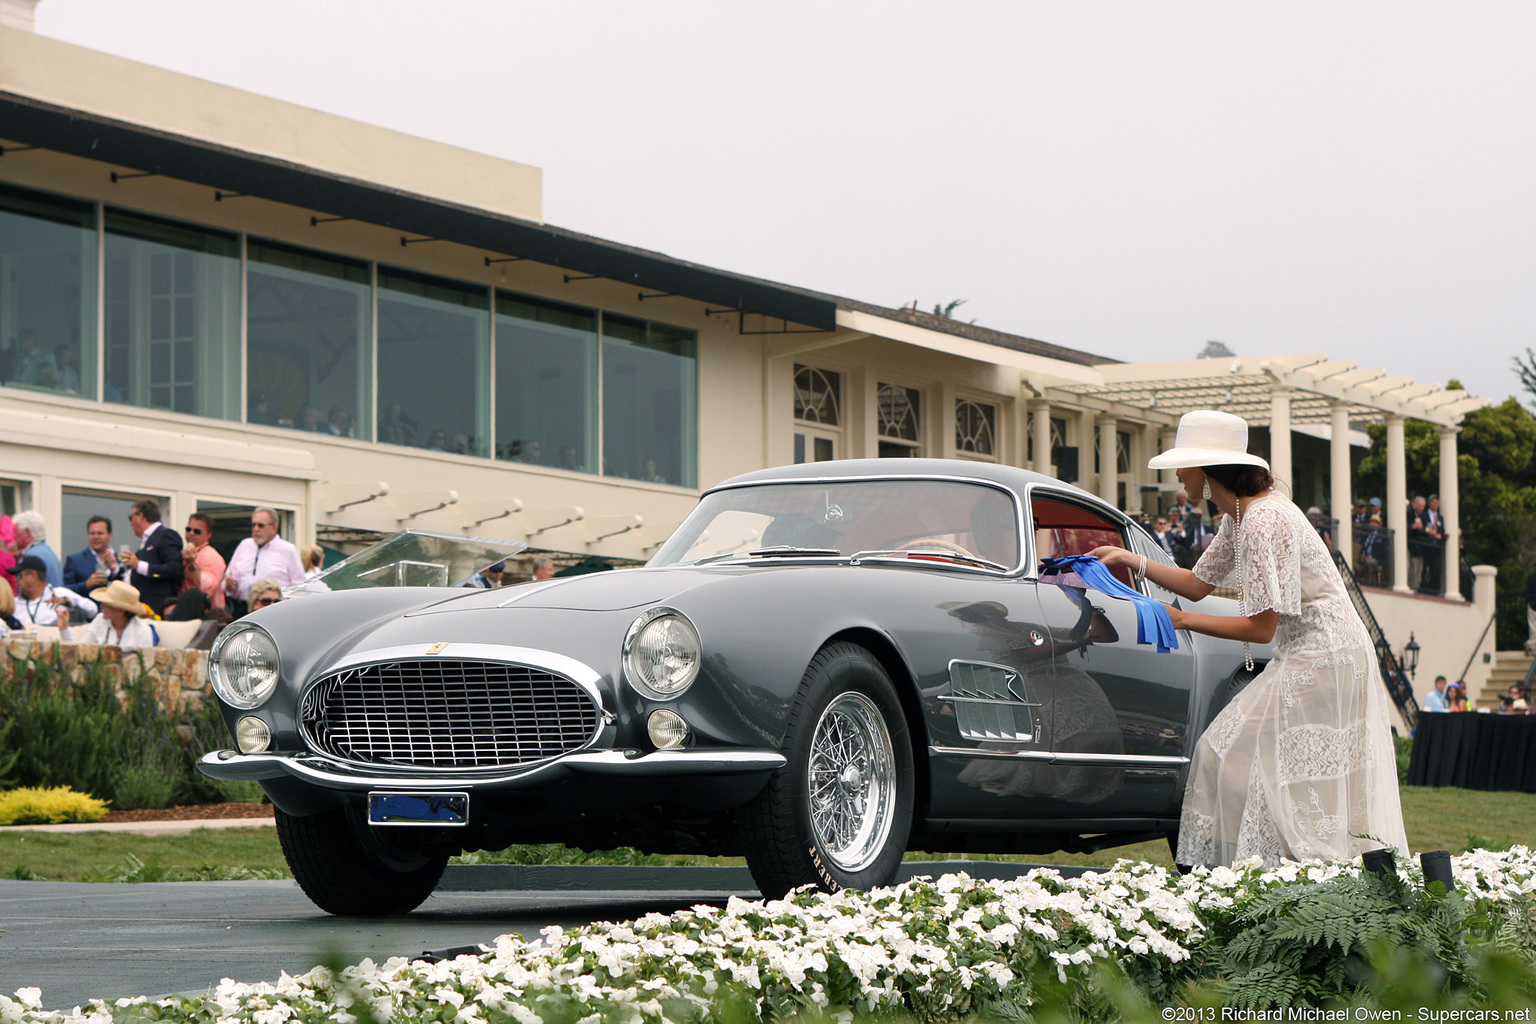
[418, 808]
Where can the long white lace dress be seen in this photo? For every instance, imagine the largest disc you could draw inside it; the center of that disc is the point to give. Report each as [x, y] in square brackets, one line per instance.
[1301, 763]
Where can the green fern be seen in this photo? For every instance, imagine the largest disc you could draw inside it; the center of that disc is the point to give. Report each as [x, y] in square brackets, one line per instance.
[1310, 944]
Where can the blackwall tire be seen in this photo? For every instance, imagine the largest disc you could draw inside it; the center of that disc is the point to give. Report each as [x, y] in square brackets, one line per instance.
[837, 816]
[342, 876]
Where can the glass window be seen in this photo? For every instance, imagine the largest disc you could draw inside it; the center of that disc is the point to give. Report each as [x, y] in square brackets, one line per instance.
[818, 396]
[546, 383]
[434, 356]
[47, 293]
[308, 324]
[172, 316]
[975, 427]
[899, 410]
[78, 505]
[650, 401]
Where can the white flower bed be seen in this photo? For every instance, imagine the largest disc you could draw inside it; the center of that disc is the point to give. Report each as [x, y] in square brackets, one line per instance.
[939, 948]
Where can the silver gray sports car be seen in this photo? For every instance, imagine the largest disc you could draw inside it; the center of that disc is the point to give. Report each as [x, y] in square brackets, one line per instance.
[826, 665]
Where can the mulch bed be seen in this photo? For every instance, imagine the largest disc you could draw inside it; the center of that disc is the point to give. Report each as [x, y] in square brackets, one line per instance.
[194, 812]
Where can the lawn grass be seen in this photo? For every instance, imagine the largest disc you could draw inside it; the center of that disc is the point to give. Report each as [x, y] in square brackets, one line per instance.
[1436, 819]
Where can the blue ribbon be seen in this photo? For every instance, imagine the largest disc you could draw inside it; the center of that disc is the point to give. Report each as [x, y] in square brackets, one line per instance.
[1153, 624]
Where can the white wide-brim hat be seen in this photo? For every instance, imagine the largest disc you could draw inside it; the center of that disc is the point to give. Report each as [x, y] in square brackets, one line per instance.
[1208, 438]
[120, 595]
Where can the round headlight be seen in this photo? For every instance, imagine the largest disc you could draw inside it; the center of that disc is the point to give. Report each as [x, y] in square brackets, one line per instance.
[252, 735]
[661, 653]
[666, 729]
[243, 666]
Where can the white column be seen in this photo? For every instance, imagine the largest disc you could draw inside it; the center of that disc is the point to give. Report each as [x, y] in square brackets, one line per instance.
[1107, 428]
[1166, 440]
[1397, 502]
[1450, 510]
[1340, 500]
[1041, 411]
[1280, 437]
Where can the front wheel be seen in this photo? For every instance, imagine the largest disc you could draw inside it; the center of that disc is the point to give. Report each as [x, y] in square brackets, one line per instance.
[838, 814]
[352, 876]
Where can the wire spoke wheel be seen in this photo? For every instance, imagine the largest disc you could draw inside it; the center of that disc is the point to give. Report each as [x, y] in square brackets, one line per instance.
[852, 781]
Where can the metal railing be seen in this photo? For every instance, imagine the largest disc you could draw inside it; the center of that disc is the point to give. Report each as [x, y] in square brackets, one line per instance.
[1479, 646]
[1399, 686]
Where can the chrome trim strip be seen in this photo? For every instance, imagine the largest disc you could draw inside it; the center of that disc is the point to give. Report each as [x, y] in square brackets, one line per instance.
[1151, 762]
[227, 764]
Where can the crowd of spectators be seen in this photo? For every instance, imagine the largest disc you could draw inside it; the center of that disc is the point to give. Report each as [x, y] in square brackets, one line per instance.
[118, 594]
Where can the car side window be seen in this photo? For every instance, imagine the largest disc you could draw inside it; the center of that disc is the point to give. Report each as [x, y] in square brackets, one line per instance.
[1067, 528]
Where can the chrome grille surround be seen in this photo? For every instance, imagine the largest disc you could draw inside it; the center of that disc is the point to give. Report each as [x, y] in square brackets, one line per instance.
[448, 714]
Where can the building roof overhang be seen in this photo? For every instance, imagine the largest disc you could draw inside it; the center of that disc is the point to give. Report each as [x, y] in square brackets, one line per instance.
[1246, 386]
[31, 122]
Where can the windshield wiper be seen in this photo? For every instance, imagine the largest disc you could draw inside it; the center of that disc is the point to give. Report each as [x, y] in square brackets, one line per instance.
[934, 554]
[780, 551]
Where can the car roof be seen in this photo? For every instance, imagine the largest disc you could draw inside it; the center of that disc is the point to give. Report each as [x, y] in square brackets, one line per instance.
[1011, 477]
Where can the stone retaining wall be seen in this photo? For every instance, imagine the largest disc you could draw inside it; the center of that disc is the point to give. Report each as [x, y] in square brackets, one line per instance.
[180, 676]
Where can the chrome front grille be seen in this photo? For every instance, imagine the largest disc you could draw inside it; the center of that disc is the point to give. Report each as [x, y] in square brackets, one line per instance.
[441, 713]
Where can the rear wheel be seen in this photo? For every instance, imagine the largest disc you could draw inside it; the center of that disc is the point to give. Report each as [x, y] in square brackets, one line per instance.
[350, 872]
[838, 814]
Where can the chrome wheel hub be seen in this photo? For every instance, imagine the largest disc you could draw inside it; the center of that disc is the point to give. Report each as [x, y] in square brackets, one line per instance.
[852, 776]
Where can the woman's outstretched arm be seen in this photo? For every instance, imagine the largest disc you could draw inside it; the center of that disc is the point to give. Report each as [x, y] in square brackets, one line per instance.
[1170, 577]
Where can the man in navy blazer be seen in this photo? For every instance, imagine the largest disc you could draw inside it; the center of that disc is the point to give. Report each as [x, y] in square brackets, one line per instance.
[97, 565]
[156, 569]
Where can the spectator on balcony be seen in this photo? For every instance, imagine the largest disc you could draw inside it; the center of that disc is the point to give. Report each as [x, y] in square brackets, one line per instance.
[155, 570]
[1436, 699]
[1419, 543]
[31, 538]
[1375, 554]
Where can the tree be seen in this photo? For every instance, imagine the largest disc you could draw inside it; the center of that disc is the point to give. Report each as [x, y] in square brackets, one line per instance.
[1215, 350]
[947, 309]
[1526, 369]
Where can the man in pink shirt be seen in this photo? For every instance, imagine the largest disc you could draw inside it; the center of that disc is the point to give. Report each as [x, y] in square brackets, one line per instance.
[202, 581]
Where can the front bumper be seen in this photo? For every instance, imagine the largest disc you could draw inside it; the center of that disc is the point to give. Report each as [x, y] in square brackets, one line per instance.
[231, 766]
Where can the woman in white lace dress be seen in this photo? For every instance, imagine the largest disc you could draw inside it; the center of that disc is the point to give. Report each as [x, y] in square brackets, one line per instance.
[1300, 764]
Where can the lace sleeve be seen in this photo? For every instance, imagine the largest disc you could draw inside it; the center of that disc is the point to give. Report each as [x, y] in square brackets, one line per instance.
[1215, 565]
[1271, 561]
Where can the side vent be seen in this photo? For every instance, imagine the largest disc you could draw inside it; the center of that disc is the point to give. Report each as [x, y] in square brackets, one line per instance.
[991, 703]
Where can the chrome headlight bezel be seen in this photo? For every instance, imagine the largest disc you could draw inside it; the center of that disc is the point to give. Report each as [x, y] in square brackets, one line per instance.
[680, 644]
[244, 684]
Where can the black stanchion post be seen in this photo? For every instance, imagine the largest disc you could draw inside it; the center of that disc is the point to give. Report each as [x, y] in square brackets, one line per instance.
[1437, 868]
[1380, 862]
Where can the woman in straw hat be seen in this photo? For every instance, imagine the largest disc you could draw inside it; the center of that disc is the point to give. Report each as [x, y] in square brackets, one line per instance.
[119, 623]
[1300, 764]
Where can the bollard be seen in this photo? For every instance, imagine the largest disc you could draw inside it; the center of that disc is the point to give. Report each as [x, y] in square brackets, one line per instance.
[1437, 868]
[1379, 862]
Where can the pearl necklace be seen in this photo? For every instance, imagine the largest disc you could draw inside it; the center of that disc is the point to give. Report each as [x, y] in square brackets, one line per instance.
[1237, 544]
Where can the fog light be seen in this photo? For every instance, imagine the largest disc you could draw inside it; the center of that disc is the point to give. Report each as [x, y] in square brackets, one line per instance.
[252, 735]
[667, 729]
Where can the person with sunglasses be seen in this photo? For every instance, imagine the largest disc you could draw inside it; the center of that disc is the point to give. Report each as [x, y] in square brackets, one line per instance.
[263, 554]
[202, 583]
[265, 592]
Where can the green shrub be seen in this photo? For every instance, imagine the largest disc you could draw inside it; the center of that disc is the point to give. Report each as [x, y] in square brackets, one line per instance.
[94, 734]
[1404, 749]
[56, 806]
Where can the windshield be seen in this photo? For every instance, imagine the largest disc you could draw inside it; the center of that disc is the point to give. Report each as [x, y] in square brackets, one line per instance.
[410, 558]
[848, 517]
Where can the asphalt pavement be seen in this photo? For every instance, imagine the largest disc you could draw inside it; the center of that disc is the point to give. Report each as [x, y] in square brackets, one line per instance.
[78, 941]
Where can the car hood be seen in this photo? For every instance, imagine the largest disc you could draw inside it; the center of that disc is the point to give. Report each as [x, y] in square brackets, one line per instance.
[613, 591]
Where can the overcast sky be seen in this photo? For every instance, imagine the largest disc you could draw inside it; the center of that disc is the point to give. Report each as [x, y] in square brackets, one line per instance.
[1130, 179]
